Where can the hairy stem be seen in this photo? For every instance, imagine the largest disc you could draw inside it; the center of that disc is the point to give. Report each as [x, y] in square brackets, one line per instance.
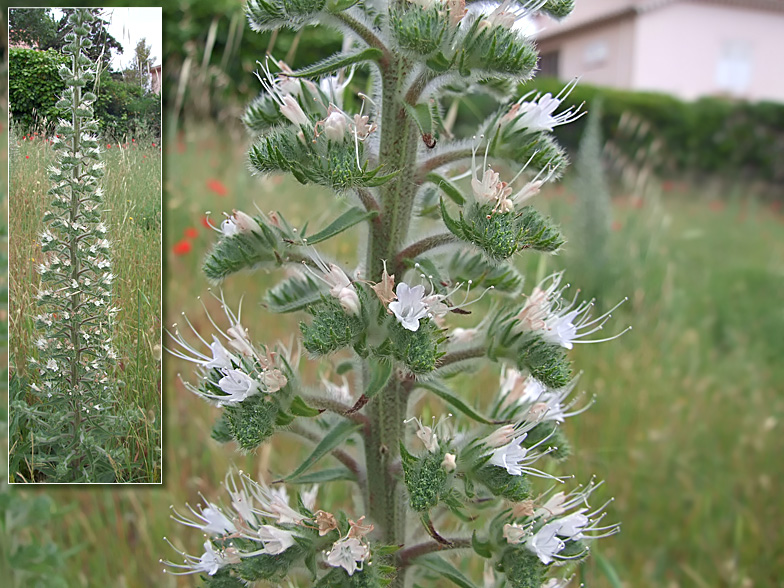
[420, 247]
[407, 556]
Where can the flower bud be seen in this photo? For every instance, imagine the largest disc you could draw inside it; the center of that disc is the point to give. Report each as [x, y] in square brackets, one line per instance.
[293, 111]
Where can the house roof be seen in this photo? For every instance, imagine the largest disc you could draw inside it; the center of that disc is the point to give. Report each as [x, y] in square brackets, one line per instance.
[589, 13]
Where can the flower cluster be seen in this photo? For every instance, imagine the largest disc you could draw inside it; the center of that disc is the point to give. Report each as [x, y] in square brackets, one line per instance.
[260, 522]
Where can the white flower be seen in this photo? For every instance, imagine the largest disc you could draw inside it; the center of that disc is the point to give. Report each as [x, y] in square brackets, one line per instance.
[275, 540]
[539, 114]
[221, 358]
[237, 385]
[241, 502]
[348, 553]
[273, 503]
[572, 525]
[52, 365]
[309, 497]
[516, 459]
[238, 223]
[209, 519]
[545, 543]
[409, 308]
[209, 563]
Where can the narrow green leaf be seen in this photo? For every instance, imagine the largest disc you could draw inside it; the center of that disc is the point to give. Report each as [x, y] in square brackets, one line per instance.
[292, 294]
[336, 62]
[300, 408]
[422, 116]
[442, 391]
[380, 372]
[241, 251]
[447, 187]
[608, 570]
[332, 440]
[327, 475]
[481, 548]
[454, 227]
[437, 564]
[348, 219]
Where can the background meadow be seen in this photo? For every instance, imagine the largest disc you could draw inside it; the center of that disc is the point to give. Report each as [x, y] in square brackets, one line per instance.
[687, 426]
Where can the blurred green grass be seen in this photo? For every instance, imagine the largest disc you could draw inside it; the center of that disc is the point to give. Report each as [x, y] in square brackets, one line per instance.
[686, 429]
[133, 186]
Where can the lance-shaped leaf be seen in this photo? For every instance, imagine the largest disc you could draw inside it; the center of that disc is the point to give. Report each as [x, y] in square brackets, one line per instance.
[300, 408]
[326, 475]
[436, 563]
[242, 251]
[441, 390]
[331, 441]
[293, 294]
[348, 219]
[380, 372]
[337, 62]
[265, 15]
[452, 191]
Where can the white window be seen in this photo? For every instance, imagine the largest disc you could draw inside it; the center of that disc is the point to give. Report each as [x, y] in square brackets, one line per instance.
[595, 53]
[733, 70]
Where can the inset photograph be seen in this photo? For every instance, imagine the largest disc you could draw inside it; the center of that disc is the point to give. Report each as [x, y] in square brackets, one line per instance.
[84, 146]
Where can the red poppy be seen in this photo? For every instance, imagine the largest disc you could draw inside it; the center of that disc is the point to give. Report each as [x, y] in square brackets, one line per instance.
[191, 233]
[206, 222]
[182, 247]
[217, 187]
[27, 157]
[108, 145]
[153, 144]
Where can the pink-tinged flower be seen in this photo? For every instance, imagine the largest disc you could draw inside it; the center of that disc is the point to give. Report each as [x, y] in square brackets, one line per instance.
[238, 223]
[291, 109]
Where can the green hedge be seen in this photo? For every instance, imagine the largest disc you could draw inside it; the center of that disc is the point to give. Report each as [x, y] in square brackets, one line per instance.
[35, 86]
[711, 135]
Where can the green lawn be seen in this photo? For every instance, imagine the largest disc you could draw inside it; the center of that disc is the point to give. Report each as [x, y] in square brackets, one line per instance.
[687, 425]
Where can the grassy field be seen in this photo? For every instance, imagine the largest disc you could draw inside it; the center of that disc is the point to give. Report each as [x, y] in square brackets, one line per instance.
[132, 185]
[686, 429]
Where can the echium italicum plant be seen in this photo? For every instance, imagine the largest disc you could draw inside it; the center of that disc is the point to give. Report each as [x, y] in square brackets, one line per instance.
[444, 217]
[73, 426]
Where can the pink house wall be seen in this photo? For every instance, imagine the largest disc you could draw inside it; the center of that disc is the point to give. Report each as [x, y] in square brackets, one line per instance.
[680, 47]
[580, 54]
